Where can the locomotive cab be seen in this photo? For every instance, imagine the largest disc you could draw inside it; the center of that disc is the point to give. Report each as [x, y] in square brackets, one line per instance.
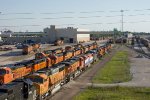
[5, 75]
[41, 82]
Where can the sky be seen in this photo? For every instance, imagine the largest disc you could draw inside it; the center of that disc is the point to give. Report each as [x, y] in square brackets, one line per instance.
[93, 15]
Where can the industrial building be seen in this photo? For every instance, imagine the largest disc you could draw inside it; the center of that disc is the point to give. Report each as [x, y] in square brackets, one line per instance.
[10, 37]
[69, 35]
[49, 35]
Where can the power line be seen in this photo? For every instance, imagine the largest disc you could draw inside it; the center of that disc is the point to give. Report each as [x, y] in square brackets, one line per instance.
[72, 12]
[36, 25]
[80, 17]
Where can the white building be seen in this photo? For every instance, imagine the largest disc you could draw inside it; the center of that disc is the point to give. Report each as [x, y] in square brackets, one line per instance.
[0, 36]
[129, 35]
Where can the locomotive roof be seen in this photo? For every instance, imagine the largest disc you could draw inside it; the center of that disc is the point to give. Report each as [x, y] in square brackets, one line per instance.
[15, 66]
[30, 62]
[56, 49]
[59, 65]
[11, 86]
[77, 48]
[75, 58]
[59, 54]
[19, 65]
[56, 68]
[69, 51]
[48, 51]
[39, 60]
[92, 51]
[70, 61]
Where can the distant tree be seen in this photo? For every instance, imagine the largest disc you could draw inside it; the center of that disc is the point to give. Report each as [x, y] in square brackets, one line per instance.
[117, 33]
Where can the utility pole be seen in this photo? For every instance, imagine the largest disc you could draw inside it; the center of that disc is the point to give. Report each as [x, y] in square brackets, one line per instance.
[122, 25]
[0, 13]
[122, 20]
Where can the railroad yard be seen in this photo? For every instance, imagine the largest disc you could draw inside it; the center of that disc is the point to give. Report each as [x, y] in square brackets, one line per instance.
[17, 68]
[139, 69]
[74, 50]
[87, 61]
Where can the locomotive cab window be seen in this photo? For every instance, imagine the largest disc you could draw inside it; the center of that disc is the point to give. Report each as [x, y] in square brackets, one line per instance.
[3, 72]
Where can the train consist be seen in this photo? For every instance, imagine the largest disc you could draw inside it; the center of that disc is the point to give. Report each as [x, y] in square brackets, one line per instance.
[43, 76]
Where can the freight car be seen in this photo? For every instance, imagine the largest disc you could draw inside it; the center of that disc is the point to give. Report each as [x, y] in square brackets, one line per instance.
[18, 90]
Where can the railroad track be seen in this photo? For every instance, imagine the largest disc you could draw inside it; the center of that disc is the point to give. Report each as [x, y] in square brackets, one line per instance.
[142, 51]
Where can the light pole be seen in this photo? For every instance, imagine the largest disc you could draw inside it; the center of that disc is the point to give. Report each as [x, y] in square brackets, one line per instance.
[122, 20]
[122, 25]
[0, 13]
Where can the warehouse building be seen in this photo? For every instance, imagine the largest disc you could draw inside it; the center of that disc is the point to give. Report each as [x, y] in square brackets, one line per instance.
[49, 35]
[10, 37]
[69, 35]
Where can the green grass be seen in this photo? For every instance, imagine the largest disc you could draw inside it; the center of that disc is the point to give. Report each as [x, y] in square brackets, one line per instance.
[115, 93]
[115, 71]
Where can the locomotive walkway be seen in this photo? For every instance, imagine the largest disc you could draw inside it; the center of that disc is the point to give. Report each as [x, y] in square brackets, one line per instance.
[140, 70]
